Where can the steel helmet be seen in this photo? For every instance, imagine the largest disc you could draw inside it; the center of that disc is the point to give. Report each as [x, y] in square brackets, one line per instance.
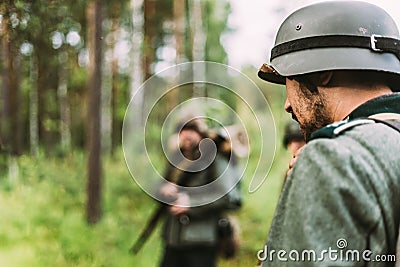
[334, 35]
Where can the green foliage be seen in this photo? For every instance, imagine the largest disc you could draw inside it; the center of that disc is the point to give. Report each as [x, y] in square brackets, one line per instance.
[42, 215]
[42, 201]
[34, 24]
[43, 222]
[215, 25]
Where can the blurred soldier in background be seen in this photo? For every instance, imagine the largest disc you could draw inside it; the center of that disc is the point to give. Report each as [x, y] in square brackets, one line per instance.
[340, 63]
[293, 138]
[191, 234]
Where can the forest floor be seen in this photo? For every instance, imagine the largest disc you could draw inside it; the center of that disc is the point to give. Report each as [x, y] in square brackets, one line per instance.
[42, 221]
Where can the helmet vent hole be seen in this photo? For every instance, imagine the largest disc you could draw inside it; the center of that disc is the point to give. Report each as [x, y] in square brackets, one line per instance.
[299, 26]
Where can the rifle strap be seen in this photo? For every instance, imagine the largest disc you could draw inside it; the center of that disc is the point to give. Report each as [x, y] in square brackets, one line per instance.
[178, 171]
[174, 177]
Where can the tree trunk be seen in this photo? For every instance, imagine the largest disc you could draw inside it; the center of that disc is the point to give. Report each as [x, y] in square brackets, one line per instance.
[18, 135]
[179, 34]
[34, 108]
[45, 94]
[4, 83]
[62, 91]
[9, 103]
[199, 41]
[106, 105]
[3, 53]
[139, 69]
[179, 29]
[115, 121]
[149, 36]
[94, 167]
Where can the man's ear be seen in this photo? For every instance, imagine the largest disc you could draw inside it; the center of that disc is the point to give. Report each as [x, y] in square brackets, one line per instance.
[325, 77]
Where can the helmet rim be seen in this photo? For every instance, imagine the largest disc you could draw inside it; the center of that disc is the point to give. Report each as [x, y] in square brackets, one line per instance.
[341, 57]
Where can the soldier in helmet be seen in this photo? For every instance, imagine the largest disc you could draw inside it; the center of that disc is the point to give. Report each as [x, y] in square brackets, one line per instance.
[195, 219]
[340, 62]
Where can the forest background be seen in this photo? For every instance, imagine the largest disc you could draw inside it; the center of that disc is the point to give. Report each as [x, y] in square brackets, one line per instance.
[67, 74]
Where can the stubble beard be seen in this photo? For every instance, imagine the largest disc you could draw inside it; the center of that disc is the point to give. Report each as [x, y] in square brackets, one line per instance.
[316, 122]
[319, 117]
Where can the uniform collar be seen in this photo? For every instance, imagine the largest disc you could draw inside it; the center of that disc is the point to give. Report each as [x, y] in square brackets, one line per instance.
[381, 105]
[389, 103]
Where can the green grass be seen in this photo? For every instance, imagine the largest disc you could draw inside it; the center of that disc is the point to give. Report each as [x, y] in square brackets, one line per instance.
[42, 221]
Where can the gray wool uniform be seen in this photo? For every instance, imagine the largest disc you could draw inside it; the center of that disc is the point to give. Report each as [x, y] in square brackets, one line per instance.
[198, 227]
[340, 205]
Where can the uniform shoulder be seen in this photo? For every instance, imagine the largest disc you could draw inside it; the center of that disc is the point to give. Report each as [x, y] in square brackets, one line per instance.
[359, 139]
[338, 128]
